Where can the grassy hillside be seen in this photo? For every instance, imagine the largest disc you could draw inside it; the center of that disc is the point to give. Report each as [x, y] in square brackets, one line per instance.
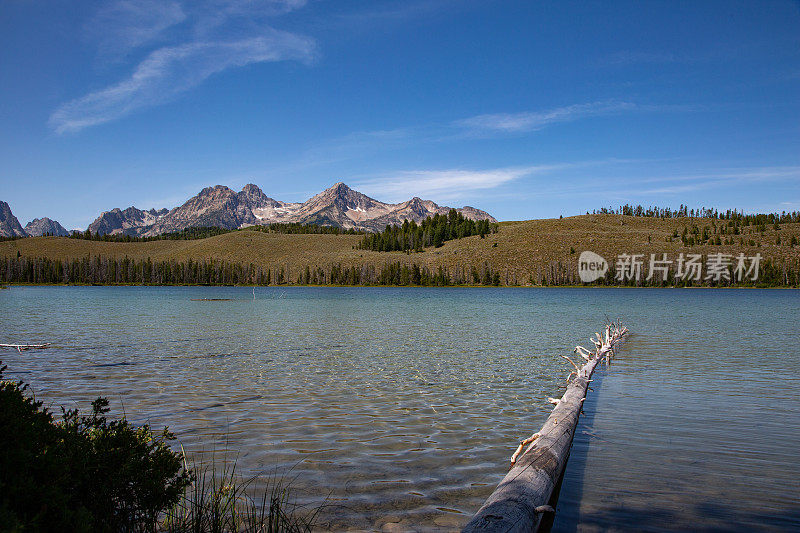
[520, 251]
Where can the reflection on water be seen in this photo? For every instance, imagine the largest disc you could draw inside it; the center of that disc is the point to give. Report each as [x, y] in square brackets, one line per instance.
[402, 406]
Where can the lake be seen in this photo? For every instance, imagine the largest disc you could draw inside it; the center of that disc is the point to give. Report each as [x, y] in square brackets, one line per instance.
[400, 407]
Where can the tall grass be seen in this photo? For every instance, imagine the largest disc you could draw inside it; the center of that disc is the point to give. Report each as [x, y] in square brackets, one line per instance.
[220, 500]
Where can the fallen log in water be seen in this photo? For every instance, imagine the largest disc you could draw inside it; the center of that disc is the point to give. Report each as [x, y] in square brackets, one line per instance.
[20, 347]
[526, 493]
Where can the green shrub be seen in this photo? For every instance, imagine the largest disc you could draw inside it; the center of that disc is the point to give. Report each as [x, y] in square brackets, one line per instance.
[82, 473]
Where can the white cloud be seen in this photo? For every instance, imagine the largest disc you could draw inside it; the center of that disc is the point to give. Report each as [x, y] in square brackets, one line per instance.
[356, 144]
[530, 121]
[126, 24]
[170, 71]
[270, 7]
[698, 182]
[445, 183]
[628, 57]
[222, 34]
[234, 17]
[399, 11]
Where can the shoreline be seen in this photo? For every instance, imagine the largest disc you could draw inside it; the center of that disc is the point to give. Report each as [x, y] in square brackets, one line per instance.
[378, 286]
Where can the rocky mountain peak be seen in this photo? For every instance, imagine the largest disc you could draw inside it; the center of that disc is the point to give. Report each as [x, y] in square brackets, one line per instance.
[9, 225]
[256, 199]
[252, 190]
[216, 191]
[346, 199]
[416, 204]
[338, 190]
[45, 226]
[127, 221]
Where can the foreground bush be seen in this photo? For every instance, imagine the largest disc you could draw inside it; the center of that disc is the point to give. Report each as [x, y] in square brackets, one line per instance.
[82, 473]
[86, 473]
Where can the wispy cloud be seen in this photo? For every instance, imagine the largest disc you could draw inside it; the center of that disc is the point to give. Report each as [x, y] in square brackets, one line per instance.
[399, 11]
[631, 57]
[633, 185]
[171, 70]
[450, 183]
[536, 120]
[232, 17]
[248, 7]
[724, 178]
[679, 55]
[126, 24]
[456, 183]
[356, 144]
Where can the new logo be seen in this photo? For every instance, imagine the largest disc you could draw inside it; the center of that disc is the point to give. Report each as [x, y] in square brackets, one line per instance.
[591, 267]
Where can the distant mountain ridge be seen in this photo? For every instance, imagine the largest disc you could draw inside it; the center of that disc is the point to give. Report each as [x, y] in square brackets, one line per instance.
[223, 207]
[127, 221]
[45, 226]
[10, 226]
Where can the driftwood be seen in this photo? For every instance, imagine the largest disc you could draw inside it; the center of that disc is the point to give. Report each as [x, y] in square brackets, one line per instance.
[20, 347]
[526, 493]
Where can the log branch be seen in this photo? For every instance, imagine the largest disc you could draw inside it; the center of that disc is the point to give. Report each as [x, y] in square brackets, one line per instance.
[577, 368]
[522, 444]
[20, 347]
[583, 352]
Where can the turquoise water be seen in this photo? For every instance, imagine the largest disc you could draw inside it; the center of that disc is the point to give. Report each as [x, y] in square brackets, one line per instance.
[399, 408]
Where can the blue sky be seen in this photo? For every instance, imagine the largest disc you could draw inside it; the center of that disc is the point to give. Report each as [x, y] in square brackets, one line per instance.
[525, 109]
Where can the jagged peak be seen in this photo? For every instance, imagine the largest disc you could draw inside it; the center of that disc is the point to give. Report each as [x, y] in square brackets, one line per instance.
[45, 226]
[338, 188]
[423, 201]
[336, 191]
[254, 192]
[216, 188]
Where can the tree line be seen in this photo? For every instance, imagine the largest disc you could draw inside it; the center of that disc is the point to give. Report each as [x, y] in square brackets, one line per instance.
[109, 271]
[433, 231]
[729, 232]
[294, 228]
[186, 234]
[739, 217]
[203, 232]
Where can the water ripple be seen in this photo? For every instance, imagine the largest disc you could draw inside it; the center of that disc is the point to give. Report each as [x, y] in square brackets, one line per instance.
[403, 406]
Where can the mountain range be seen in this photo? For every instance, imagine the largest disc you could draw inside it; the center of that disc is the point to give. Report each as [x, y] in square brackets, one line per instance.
[221, 206]
[10, 226]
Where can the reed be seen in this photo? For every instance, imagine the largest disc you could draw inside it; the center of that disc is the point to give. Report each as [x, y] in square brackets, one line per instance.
[220, 500]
